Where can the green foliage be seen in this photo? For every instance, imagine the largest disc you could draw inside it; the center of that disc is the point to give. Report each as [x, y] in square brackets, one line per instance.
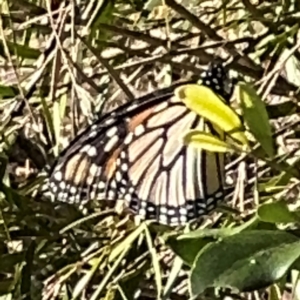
[62, 65]
[207, 141]
[208, 105]
[247, 261]
[256, 117]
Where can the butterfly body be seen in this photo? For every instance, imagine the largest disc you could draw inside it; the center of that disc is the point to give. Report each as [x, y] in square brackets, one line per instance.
[137, 154]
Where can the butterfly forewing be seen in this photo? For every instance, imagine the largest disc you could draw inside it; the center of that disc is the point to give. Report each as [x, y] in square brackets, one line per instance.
[92, 156]
[136, 153]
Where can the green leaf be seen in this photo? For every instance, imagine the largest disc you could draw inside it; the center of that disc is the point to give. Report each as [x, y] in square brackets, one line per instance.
[187, 248]
[188, 245]
[104, 14]
[278, 110]
[20, 50]
[246, 261]
[206, 141]
[9, 261]
[6, 286]
[276, 212]
[256, 117]
[8, 91]
[207, 104]
[276, 183]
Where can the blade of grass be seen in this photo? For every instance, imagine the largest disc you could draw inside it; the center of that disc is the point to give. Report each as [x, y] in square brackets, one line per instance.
[109, 274]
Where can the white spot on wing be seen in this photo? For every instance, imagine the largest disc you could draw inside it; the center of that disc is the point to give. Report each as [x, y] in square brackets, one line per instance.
[109, 121]
[219, 195]
[163, 219]
[101, 185]
[62, 185]
[163, 210]
[128, 138]
[151, 208]
[58, 176]
[111, 195]
[93, 134]
[124, 167]
[127, 197]
[143, 204]
[118, 176]
[111, 143]
[183, 211]
[112, 131]
[132, 106]
[183, 219]
[174, 220]
[89, 150]
[54, 188]
[73, 190]
[92, 152]
[142, 212]
[94, 170]
[171, 212]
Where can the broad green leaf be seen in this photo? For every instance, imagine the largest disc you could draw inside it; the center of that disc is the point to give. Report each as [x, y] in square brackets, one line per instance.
[276, 212]
[256, 117]
[188, 245]
[187, 249]
[246, 261]
[206, 141]
[207, 104]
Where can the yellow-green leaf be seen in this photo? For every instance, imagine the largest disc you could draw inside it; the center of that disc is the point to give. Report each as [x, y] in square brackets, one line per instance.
[256, 116]
[207, 104]
[206, 141]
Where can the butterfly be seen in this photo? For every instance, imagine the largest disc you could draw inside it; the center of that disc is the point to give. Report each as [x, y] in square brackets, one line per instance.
[135, 154]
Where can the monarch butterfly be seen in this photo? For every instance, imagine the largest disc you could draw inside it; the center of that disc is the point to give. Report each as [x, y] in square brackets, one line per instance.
[135, 154]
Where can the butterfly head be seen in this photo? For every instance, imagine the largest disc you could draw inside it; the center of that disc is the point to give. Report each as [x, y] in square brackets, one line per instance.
[218, 79]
